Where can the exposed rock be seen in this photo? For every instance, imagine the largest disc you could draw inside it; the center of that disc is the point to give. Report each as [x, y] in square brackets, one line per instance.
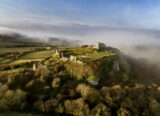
[95, 82]
[73, 58]
[116, 66]
[64, 59]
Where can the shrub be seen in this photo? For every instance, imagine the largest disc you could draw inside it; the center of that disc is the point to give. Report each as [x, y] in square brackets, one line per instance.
[59, 108]
[154, 107]
[18, 80]
[38, 87]
[39, 106]
[91, 78]
[123, 112]
[47, 89]
[44, 78]
[19, 97]
[50, 105]
[88, 93]
[56, 82]
[3, 89]
[76, 107]
[101, 110]
[13, 100]
[29, 85]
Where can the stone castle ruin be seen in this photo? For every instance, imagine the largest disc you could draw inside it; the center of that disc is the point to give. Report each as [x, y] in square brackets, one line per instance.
[59, 54]
[71, 58]
[37, 66]
[97, 45]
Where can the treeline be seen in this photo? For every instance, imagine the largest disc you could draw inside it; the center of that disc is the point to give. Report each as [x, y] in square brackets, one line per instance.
[55, 91]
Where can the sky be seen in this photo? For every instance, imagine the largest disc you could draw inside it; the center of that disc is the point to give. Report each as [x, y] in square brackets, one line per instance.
[115, 22]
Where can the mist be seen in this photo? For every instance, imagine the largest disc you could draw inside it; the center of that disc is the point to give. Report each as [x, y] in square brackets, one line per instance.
[137, 43]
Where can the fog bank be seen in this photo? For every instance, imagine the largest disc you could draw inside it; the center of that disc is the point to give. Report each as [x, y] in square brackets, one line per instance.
[138, 43]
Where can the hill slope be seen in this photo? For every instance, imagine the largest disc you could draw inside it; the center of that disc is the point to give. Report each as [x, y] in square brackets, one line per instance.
[64, 86]
[16, 41]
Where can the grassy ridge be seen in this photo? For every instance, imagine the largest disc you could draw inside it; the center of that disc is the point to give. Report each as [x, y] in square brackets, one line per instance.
[63, 87]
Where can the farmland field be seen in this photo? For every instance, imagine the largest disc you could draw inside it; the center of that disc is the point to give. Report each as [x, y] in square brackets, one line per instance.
[1, 58]
[13, 43]
[5, 61]
[16, 49]
[27, 57]
[38, 55]
[25, 60]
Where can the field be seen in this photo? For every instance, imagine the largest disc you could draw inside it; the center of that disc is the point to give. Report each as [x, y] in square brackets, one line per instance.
[26, 60]
[9, 44]
[5, 61]
[38, 55]
[16, 49]
[27, 57]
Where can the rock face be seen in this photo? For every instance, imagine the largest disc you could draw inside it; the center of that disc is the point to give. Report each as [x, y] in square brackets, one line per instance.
[116, 66]
[65, 59]
[73, 58]
[94, 82]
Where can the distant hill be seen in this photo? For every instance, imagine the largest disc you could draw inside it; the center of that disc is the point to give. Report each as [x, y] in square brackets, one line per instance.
[18, 40]
[63, 42]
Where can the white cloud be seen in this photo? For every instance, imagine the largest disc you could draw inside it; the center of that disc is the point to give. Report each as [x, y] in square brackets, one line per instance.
[109, 35]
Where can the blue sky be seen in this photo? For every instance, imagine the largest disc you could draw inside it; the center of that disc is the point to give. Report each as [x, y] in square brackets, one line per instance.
[124, 13]
[80, 18]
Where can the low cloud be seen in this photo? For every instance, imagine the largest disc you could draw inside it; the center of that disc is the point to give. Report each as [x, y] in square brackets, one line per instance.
[110, 35]
[138, 43]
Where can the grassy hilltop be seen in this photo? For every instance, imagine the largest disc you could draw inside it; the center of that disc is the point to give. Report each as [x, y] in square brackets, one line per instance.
[95, 64]
[65, 88]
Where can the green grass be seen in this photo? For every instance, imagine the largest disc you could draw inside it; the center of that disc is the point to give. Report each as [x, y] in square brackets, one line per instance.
[1, 58]
[78, 51]
[25, 60]
[5, 61]
[16, 49]
[12, 43]
[9, 41]
[13, 70]
[97, 55]
[28, 57]
[38, 55]
[91, 53]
